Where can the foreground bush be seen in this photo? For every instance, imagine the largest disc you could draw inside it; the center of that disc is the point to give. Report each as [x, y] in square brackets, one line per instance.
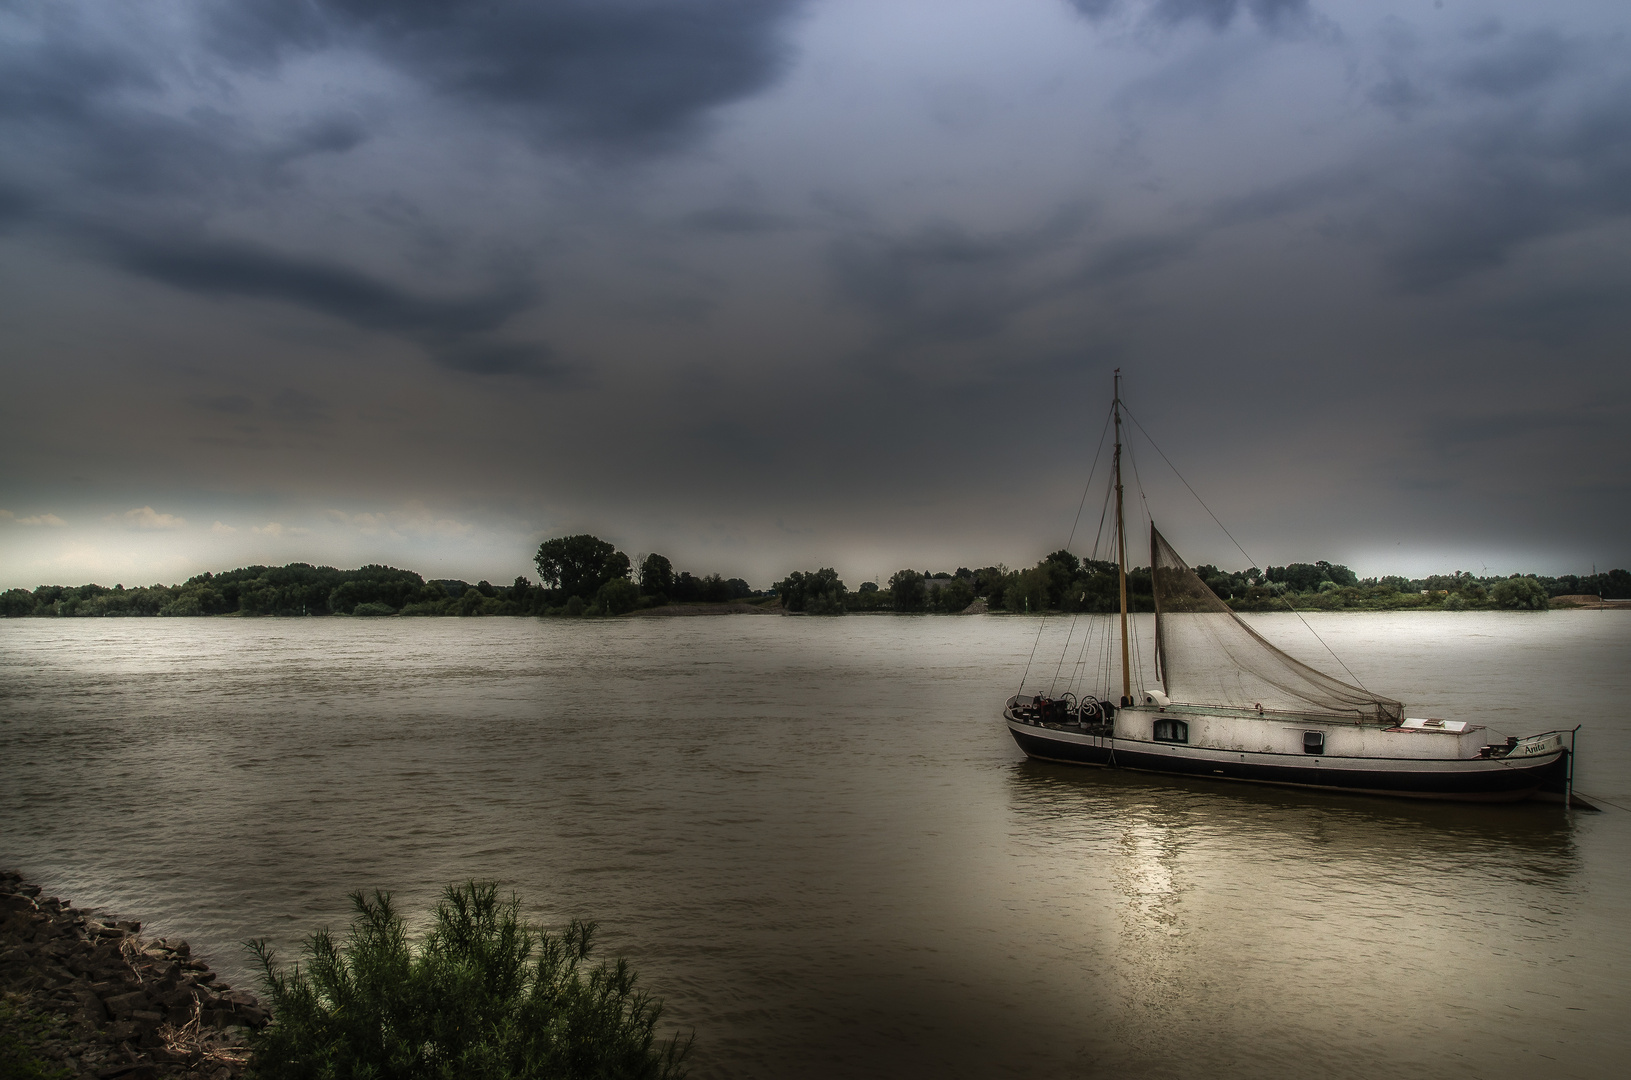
[483, 997]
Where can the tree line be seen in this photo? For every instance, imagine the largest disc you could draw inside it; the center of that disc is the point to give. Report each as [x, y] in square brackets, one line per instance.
[584, 575]
[295, 589]
[1063, 582]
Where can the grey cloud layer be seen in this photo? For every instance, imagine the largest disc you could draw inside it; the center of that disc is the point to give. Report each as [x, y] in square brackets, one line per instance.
[1215, 14]
[1267, 208]
[452, 330]
[602, 71]
[102, 151]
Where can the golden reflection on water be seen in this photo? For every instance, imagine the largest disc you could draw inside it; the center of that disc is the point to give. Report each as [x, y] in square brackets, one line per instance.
[1259, 929]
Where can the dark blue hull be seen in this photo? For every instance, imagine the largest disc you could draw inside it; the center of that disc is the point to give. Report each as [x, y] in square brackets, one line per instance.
[1473, 780]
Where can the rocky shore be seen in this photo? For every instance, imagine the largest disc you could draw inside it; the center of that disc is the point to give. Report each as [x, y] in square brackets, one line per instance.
[86, 996]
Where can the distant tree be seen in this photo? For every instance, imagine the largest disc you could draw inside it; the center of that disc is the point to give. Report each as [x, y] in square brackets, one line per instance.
[1062, 568]
[992, 582]
[1221, 584]
[910, 594]
[1030, 591]
[521, 592]
[687, 589]
[819, 592]
[1519, 594]
[1338, 573]
[1307, 577]
[1298, 577]
[15, 603]
[656, 575]
[954, 596]
[714, 590]
[579, 565]
[868, 586]
[618, 596]
[186, 604]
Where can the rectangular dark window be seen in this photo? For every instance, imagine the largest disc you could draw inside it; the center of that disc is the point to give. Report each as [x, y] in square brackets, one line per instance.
[1313, 742]
[1171, 731]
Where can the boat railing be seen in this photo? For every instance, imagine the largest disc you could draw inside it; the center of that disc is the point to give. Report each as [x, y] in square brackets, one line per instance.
[1262, 713]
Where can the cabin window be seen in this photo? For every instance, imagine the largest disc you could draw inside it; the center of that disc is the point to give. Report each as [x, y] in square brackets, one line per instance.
[1171, 731]
[1313, 742]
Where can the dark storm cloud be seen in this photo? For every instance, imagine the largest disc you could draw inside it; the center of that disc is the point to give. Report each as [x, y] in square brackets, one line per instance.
[1518, 175]
[94, 148]
[1217, 14]
[938, 284]
[452, 330]
[1475, 432]
[607, 71]
[239, 269]
[1132, 255]
[1520, 66]
[298, 407]
[943, 282]
[736, 220]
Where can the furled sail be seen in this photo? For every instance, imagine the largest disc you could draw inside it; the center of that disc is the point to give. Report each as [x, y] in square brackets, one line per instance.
[1207, 655]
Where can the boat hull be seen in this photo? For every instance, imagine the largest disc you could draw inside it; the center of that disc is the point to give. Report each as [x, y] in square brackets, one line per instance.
[1468, 780]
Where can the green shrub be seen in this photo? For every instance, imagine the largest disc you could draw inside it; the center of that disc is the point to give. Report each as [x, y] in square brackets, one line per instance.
[373, 608]
[483, 997]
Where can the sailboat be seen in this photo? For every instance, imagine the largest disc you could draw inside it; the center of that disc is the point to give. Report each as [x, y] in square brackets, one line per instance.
[1233, 706]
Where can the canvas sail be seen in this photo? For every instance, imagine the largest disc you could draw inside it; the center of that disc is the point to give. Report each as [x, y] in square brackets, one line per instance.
[1207, 655]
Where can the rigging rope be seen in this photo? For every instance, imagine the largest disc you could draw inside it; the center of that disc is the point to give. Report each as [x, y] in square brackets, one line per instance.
[1226, 532]
[1068, 540]
[1098, 540]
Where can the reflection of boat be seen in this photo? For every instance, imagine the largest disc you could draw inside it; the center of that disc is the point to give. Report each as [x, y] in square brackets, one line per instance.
[1233, 706]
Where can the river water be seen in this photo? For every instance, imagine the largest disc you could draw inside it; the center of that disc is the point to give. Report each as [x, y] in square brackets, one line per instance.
[817, 843]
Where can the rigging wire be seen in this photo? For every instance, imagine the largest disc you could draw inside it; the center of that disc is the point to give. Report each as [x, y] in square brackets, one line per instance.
[1098, 539]
[1079, 673]
[1143, 499]
[1068, 540]
[1232, 540]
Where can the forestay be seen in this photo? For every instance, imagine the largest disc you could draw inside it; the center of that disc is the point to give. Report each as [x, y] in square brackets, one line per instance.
[1207, 655]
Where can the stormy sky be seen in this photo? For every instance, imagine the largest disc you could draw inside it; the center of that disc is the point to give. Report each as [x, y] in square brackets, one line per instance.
[765, 284]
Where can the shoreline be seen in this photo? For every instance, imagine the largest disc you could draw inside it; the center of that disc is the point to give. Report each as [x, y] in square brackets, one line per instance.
[698, 610]
[86, 993]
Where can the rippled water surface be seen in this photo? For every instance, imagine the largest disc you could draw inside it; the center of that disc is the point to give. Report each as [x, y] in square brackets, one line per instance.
[818, 844]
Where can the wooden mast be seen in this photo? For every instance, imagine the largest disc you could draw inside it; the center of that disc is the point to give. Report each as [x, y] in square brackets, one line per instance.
[1121, 555]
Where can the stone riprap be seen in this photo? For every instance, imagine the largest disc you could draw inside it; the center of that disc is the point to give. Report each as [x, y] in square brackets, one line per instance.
[88, 994]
